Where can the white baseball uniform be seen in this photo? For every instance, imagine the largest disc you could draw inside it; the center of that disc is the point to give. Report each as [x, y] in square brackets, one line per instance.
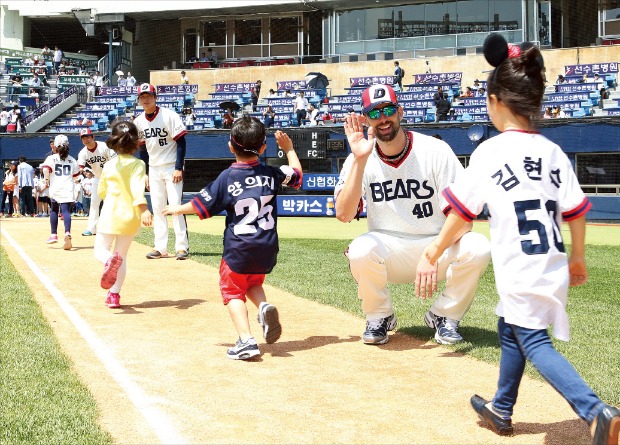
[62, 174]
[159, 134]
[96, 158]
[405, 213]
[528, 189]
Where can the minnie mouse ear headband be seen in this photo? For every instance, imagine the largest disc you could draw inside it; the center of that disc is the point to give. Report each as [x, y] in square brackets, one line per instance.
[496, 50]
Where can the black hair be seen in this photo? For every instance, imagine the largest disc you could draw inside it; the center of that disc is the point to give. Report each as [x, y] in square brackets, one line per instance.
[63, 151]
[247, 135]
[518, 78]
[124, 138]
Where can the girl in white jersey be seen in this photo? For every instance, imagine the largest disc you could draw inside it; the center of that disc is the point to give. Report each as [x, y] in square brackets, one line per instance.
[60, 170]
[528, 185]
[122, 181]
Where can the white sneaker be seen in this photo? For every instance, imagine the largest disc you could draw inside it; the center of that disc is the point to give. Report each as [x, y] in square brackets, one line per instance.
[270, 321]
[243, 350]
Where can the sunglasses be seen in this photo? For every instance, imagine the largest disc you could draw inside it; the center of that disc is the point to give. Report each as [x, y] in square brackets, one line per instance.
[387, 112]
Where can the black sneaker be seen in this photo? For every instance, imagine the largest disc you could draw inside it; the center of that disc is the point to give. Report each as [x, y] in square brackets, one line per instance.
[446, 329]
[377, 330]
[243, 351]
[269, 320]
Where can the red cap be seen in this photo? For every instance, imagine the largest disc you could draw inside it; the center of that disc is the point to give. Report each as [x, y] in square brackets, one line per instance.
[147, 88]
[376, 95]
[85, 132]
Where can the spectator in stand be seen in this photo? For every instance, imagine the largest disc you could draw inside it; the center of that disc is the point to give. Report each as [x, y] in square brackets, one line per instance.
[8, 189]
[212, 56]
[604, 95]
[557, 112]
[83, 70]
[438, 95]
[398, 74]
[203, 58]
[269, 116]
[184, 78]
[443, 108]
[131, 81]
[481, 92]
[469, 92]
[193, 59]
[4, 119]
[476, 86]
[35, 82]
[228, 118]
[547, 114]
[25, 183]
[257, 87]
[253, 98]
[121, 82]
[189, 118]
[14, 114]
[313, 115]
[46, 51]
[287, 93]
[91, 88]
[14, 86]
[272, 93]
[57, 59]
[599, 82]
[98, 82]
[300, 106]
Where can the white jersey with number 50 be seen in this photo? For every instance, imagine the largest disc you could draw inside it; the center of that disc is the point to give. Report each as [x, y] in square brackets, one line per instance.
[405, 200]
[529, 185]
[62, 175]
[159, 134]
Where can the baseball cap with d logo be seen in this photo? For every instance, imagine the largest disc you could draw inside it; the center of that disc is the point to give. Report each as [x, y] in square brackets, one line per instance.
[147, 88]
[376, 95]
[85, 132]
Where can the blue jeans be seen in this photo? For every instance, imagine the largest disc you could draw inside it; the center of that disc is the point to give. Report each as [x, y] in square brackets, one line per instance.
[520, 344]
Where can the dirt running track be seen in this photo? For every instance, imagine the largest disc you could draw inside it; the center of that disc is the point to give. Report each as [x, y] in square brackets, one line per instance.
[167, 379]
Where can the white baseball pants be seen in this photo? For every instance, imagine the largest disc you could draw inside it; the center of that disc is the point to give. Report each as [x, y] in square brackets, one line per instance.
[164, 191]
[377, 259]
[93, 211]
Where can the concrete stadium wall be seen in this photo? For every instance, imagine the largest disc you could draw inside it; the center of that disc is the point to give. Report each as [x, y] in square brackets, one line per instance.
[472, 66]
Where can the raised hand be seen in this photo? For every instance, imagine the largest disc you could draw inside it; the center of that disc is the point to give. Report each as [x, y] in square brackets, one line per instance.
[354, 129]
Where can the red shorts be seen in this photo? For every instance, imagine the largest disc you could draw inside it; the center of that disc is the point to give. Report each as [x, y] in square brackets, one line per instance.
[235, 285]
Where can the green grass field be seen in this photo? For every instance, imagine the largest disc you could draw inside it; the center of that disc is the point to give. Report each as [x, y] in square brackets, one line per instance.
[44, 402]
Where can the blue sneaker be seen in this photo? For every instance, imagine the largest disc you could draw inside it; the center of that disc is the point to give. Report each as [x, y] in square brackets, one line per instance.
[446, 329]
[243, 350]
[377, 330]
[87, 233]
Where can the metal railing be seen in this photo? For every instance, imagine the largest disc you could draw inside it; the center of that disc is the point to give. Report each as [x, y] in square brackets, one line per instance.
[41, 110]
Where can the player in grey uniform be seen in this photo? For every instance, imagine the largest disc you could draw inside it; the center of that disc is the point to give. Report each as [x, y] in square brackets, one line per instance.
[401, 174]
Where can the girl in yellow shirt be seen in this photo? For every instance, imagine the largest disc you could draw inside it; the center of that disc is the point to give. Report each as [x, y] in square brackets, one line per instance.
[121, 187]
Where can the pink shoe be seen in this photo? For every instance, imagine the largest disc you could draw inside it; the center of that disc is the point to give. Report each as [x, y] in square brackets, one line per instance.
[113, 300]
[52, 239]
[110, 271]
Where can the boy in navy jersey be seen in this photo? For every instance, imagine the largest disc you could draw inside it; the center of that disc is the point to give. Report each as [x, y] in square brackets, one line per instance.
[247, 191]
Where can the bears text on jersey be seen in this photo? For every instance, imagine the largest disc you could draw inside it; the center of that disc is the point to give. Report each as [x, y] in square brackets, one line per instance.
[390, 190]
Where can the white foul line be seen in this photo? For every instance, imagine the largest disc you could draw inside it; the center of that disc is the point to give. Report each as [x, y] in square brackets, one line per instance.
[161, 425]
